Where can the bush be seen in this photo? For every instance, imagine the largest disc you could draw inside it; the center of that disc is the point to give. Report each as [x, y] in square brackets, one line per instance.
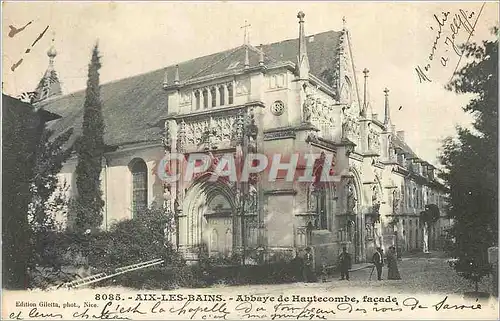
[133, 241]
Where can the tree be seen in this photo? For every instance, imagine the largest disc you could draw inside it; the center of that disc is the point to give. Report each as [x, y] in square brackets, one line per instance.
[470, 163]
[90, 150]
[50, 156]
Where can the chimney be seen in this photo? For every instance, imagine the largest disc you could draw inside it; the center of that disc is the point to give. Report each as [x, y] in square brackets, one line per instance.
[375, 116]
[363, 111]
[401, 134]
[302, 59]
[393, 128]
[387, 116]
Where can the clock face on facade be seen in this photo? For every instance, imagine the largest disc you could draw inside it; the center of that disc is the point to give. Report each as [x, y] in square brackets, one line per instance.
[278, 108]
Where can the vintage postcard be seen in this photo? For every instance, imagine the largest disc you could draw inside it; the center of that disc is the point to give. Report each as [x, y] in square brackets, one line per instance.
[249, 160]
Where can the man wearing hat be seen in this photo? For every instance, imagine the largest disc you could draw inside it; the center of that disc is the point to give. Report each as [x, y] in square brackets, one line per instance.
[378, 260]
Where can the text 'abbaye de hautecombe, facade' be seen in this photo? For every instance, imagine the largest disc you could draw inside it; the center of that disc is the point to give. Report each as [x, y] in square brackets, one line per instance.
[299, 96]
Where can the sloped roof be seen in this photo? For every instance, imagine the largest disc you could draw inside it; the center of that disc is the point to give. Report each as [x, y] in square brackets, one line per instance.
[397, 142]
[133, 106]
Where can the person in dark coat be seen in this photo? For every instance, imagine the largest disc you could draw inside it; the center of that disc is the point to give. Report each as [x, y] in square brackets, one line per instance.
[345, 264]
[378, 260]
[392, 265]
[308, 266]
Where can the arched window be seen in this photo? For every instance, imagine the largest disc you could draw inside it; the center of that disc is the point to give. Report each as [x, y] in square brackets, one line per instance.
[221, 95]
[230, 94]
[139, 186]
[205, 98]
[213, 91]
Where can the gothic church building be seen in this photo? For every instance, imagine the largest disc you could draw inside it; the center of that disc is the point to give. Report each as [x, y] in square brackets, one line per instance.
[300, 95]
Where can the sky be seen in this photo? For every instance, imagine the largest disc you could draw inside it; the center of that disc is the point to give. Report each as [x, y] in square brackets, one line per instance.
[391, 39]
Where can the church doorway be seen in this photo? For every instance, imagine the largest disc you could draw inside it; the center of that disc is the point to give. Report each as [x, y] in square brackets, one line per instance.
[210, 218]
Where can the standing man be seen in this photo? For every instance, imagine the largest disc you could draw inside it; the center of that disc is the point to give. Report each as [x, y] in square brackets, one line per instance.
[345, 264]
[378, 260]
[308, 266]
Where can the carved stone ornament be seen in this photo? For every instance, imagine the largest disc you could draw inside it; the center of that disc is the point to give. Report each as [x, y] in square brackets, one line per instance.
[311, 198]
[167, 136]
[351, 198]
[241, 87]
[278, 108]
[351, 128]
[213, 131]
[185, 98]
[396, 198]
[373, 140]
[307, 110]
[181, 137]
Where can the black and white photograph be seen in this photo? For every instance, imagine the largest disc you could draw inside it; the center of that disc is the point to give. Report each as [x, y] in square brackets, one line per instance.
[232, 160]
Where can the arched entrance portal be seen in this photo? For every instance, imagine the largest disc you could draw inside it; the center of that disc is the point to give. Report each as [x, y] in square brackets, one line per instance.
[210, 213]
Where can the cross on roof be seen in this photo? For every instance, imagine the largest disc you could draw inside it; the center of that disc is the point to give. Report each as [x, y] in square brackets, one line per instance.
[246, 37]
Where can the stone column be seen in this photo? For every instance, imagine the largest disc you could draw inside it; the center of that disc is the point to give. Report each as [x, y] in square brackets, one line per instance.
[226, 95]
[209, 97]
[217, 96]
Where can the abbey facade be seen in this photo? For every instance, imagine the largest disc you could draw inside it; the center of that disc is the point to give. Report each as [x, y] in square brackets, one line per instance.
[295, 96]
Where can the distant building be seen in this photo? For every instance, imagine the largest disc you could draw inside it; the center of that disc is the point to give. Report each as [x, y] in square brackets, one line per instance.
[304, 96]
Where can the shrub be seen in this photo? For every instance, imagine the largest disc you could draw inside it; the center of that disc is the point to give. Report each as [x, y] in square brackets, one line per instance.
[133, 241]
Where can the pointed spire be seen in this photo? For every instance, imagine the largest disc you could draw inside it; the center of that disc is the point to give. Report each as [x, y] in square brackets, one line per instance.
[49, 85]
[261, 55]
[365, 103]
[247, 60]
[302, 60]
[176, 79]
[387, 116]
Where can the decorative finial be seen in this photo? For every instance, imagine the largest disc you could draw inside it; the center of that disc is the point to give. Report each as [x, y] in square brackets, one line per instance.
[365, 101]
[165, 77]
[246, 37]
[302, 59]
[301, 16]
[343, 22]
[52, 53]
[176, 79]
[387, 116]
